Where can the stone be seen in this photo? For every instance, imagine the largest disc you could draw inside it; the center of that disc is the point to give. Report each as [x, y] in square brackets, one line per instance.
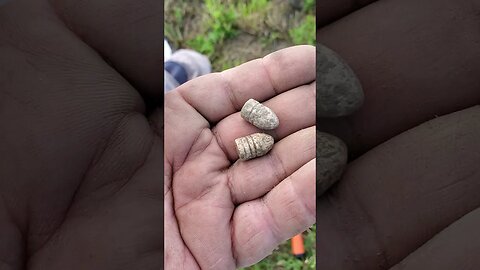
[259, 115]
[332, 157]
[339, 92]
[254, 145]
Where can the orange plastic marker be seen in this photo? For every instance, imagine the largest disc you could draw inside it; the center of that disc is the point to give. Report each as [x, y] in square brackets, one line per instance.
[298, 248]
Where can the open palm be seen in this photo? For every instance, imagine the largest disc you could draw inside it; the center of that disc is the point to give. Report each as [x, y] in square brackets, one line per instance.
[80, 165]
[409, 199]
[222, 213]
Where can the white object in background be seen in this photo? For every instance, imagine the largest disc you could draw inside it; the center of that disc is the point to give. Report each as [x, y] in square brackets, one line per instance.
[167, 51]
[194, 63]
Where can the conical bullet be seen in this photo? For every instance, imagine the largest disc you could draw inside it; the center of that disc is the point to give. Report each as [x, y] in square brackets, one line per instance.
[332, 156]
[259, 115]
[339, 91]
[254, 145]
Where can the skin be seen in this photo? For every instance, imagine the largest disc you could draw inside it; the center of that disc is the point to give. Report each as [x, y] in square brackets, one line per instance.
[80, 162]
[81, 147]
[71, 98]
[409, 198]
[328, 11]
[223, 213]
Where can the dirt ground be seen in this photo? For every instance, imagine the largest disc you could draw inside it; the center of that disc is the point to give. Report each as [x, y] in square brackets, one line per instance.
[264, 30]
[239, 36]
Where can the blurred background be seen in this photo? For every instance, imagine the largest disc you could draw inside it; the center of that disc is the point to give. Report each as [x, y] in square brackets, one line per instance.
[233, 32]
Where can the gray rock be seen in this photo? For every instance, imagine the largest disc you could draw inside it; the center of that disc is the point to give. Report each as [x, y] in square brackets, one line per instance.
[332, 156]
[259, 115]
[339, 91]
[254, 145]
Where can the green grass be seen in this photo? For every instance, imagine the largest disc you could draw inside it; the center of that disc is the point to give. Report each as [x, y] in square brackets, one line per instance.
[308, 5]
[214, 27]
[219, 26]
[282, 258]
[231, 32]
[302, 33]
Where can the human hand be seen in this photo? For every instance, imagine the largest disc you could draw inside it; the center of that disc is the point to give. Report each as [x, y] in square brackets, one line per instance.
[409, 200]
[221, 213]
[80, 165]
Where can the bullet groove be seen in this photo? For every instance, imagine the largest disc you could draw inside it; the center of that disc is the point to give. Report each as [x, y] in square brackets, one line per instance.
[254, 145]
[251, 145]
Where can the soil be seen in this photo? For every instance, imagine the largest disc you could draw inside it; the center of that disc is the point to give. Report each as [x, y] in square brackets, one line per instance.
[257, 35]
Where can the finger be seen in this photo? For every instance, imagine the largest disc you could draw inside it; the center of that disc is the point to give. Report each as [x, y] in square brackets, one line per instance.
[261, 225]
[126, 33]
[400, 194]
[218, 95]
[295, 110]
[252, 179]
[427, 63]
[330, 10]
[456, 247]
